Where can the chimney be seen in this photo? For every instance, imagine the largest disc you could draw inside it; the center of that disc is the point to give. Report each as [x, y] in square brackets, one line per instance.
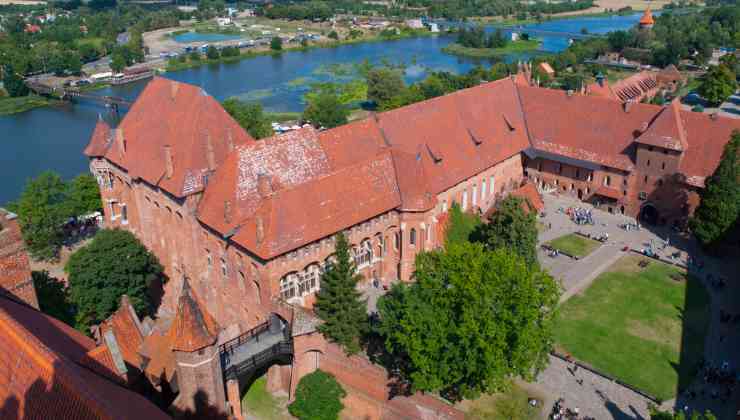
[168, 165]
[210, 155]
[628, 106]
[260, 230]
[174, 86]
[120, 140]
[229, 140]
[227, 212]
[264, 187]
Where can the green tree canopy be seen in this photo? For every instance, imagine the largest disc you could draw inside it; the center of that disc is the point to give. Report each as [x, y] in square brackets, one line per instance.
[339, 303]
[718, 84]
[250, 116]
[42, 211]
[83, 195]
[53, 297]
[318, 397]
[461, 226]
[383, 84]
[511, 227]
[113, 264]
[472, 319]
[276, 43]
[325, 110]
[719, 209]
[212, 53]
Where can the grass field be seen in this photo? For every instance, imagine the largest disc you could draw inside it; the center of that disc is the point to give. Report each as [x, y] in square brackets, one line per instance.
[10, 106]
[574, 245]
[509, 405]
[640, 325]
[511, 47]
[261, 404]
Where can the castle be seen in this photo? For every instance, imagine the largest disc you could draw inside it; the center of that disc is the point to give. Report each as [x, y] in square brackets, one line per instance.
[244, 228]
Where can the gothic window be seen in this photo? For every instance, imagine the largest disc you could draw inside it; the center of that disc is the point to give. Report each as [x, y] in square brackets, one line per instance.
[607, 180]
[308, 280]
[491, 185]
[209, 259]
[288, 286]
[662, 166]
[110, 180]
[412, 237]
[124, 214]
[224, 268]
[578, 173]
[444, 206]
[464, 200]
[364, 254]
[475, 195]
[397, 240]
[483, 189]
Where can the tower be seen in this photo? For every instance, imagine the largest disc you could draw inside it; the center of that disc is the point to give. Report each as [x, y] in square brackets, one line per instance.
[647, 21]
[194, 336]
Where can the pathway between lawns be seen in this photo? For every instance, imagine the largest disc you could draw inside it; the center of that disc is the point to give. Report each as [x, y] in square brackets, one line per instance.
[584, 271]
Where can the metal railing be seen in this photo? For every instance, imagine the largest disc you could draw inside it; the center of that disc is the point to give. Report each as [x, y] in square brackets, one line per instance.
[262, 359]
[231, 345]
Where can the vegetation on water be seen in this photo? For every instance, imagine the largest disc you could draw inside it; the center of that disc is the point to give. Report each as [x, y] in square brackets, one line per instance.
[511, 47]
[717, 219]
[46, 204]
[655, 315]
[114, 264]
[318, 397]
[574, 245]
[9, 106]
[339, 304]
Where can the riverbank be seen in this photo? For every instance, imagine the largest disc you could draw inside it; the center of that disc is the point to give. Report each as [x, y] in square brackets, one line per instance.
[10, 106]
[177, 65]
[513, 47]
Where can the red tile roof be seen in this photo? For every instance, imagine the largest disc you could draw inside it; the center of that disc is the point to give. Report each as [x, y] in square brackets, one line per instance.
[193, 327]
[647, 18]
[707, 136]
[175, 119]
[667, 130]
[100, 140]
[633, 88]
[124, 324]
[15, 269]
[529, 193]
[44, 371]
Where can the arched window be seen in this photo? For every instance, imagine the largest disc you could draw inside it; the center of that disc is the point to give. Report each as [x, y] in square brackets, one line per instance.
[288, 286]
[397, 240]
[464, 200]
[224, 268]
[412, 236]
[483, 189]
[475, 195]
[491, 185]
[363, 254]
[444, 206]
[308, 279]
[607, 180]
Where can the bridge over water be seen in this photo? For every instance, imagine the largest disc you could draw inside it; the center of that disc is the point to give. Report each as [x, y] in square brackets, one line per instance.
[69, 94]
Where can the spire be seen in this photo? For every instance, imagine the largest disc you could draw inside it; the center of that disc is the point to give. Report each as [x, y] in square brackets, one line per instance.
[647, 21]
[193, 327]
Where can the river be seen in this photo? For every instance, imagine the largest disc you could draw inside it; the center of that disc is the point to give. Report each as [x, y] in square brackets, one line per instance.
[53, 138]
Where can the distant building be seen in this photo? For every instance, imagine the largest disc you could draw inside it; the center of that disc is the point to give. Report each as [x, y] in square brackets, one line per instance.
[646, 21]
[433, 27]
[32, 29]
[546, 68]
[415, 24]
[223, 21]
[515, 36]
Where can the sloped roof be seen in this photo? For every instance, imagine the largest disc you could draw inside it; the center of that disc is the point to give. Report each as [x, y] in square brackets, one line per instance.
[647, 18]
[707, 136]
[174, 116]
[44, 368]
[667, 130]
[125, 328]
[529, 193]
[15, 269]
[627, 89]
[193, 327]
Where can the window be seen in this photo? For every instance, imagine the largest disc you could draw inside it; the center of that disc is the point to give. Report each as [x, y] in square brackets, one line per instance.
[650, 148]
[224, 268]
[475, 195]
[607, 180]
[308, 280]
[642, 195]
[662, 166]
[491, 186]
[110, 180]
[397, 240]
[483, 189]
[288, 287]
[539, 166]
[242, 280]
[257, 292]
[648, 162]
[412, 237]
[124, 214]
[112, 205]
[444, 206]
[578, 173]
[646, 179]
[590, 177]
[560, 168]
[660, 182]
[364, 254]
[208, 258]
[381, 246]
[464, 200]
[624, 182]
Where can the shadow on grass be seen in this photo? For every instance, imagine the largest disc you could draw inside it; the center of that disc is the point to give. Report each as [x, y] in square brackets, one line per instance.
[695, 319]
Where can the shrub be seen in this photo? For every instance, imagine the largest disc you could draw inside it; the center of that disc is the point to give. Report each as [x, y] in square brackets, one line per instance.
[318, 397]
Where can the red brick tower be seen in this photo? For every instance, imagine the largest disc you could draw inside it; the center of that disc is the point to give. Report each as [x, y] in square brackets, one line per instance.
[194, 342]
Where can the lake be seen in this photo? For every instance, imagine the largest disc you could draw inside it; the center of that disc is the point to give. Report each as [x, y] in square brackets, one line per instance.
[53, 138]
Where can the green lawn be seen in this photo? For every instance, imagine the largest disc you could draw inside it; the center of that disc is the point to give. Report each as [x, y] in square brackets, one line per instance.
[10, 106]
[574, 245]
[638, 324]
[259, 403]
[509, 405]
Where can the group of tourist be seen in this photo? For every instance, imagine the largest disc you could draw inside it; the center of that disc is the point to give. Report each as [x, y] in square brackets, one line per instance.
[718, 382]
[561, 412]
[579, 215]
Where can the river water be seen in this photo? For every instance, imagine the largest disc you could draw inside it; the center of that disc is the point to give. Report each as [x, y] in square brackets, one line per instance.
[53, 138]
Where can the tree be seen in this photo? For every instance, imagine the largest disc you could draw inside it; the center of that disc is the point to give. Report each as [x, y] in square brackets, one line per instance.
[13, 82]
[656, 414]
[212, 53]
[113, 264]
[42, 212]
[53, 297]
[720, 200]
[461, 225]
[276, 44]
[339, 303]
[318, 397]
[333, 35]
[511, 227]
[325, 110]
[83, 196]
[117, 61]
[472, 319]
[250, 116]
[718, 84]
[383, 84]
